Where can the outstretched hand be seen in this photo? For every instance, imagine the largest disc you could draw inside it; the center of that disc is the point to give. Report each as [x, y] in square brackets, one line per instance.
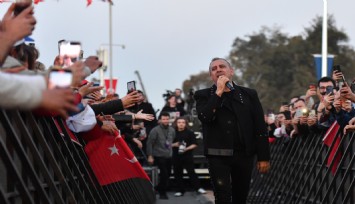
[130, 99]
[144, 116]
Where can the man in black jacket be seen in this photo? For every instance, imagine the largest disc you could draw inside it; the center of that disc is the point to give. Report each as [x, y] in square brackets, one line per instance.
[234, 132]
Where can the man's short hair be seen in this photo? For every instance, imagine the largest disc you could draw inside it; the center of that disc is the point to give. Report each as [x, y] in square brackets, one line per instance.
[164, 114]
[326, 79]
[300, 99]
[219, 58]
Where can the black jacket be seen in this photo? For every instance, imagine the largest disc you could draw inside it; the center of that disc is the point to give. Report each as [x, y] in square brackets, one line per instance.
[216, 114]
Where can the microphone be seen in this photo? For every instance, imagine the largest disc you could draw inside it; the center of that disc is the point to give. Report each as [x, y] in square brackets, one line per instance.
[230, 86]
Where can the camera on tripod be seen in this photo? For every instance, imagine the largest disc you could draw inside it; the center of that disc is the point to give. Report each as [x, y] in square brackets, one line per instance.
[167, 94]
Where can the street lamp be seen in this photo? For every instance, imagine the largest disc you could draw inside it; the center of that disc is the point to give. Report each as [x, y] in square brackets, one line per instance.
[110, 44]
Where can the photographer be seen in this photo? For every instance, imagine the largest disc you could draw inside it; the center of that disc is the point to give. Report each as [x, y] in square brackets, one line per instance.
[180, 103]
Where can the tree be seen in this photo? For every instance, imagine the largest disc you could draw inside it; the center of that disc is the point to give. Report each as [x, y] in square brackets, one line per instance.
[279, 66]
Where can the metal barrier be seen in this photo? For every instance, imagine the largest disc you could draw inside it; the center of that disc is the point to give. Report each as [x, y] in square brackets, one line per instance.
[300, 173]
[41, 165]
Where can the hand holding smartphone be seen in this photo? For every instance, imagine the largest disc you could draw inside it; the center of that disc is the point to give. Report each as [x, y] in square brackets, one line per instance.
[21, 5]
[313, 87]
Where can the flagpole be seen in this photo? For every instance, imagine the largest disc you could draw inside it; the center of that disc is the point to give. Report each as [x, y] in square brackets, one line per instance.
[325, 39]
[110, 44]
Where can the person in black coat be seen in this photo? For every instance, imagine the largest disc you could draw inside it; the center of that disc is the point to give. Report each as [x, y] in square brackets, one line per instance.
[234, 132]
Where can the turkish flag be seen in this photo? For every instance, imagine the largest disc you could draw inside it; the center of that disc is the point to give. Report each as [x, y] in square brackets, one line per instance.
[110, 157]
[109, 89]
[329, 137]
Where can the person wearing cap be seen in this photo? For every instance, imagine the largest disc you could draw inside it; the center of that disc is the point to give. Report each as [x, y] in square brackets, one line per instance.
[234, 132]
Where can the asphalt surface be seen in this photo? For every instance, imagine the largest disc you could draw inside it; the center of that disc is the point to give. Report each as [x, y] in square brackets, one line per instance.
[188, 198]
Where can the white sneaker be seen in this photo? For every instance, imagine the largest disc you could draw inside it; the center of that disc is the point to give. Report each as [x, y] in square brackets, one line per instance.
[201, 191]
[178, 194]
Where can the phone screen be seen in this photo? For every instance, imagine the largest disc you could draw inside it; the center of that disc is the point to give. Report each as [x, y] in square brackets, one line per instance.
[60, 78]
[337, 68]
[329, 89]
[20, 6]
[298, 113]
[312, 113]
[70, 50]
[131, 86]
[287, 115]
[312, 86]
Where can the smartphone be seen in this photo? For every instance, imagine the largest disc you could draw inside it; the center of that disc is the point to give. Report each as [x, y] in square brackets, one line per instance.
[285, 103]
[336, 68]
[271, 116]
[131, 86]
[60, 78]
[287, 115]
[298, 113]
[96, 84]
[313, 86]
[329, 89]
[81, 55]
[21, 5]
[305, 112]
[312, 113]
[70, 51]
[352, 86]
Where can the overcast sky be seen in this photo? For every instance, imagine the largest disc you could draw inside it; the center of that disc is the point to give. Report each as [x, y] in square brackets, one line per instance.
[169, 40]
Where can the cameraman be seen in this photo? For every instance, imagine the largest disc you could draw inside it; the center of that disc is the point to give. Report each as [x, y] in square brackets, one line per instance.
[180, 103]
[172, 108]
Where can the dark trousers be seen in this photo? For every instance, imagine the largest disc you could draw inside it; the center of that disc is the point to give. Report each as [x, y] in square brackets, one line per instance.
[180, 162]
[164, 165]
[230, 177]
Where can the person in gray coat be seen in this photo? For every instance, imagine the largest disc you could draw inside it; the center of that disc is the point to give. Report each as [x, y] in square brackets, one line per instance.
[159, 151]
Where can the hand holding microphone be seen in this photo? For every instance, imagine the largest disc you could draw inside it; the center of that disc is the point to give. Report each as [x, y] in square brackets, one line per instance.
[222, 83]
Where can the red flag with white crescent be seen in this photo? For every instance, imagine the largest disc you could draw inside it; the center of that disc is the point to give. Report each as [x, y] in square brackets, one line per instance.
[110, 157]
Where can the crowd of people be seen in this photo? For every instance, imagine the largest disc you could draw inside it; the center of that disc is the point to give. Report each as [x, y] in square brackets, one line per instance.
[99, 120]
[329, 101]
[230, 143]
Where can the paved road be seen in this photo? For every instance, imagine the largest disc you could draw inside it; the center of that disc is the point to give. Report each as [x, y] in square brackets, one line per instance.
[188, 198]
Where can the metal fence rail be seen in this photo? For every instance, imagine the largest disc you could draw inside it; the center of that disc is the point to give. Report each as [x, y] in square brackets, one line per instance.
[301, 173]
[41, 165]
